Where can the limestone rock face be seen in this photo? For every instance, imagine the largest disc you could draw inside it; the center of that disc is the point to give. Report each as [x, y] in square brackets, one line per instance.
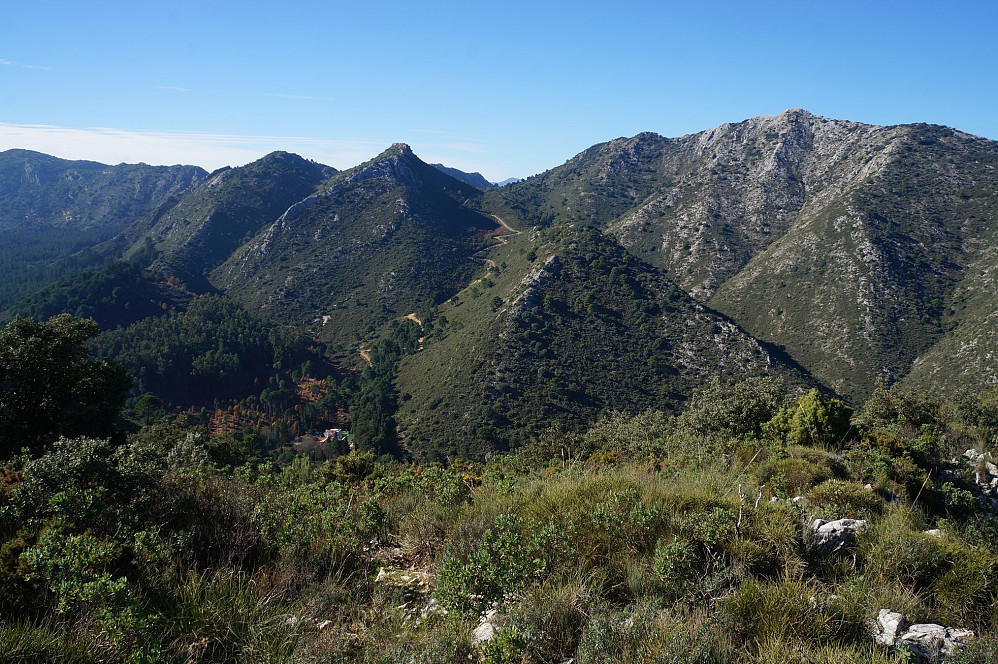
[485, 630]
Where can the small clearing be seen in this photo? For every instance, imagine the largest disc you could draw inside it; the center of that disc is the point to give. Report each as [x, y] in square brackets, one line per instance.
[415, 319]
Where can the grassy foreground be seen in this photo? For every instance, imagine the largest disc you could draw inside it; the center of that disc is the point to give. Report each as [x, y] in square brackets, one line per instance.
[649, 538]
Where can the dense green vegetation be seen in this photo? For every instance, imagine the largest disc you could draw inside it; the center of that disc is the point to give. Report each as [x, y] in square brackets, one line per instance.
[558, 332]
[645, 538]
[552, 431]
[116, 295]
[374, 405]
[213, 350]
[51, 209]
[50, 386]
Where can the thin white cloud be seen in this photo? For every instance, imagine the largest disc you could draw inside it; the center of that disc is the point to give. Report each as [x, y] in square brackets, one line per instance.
[282, 95]
[172, 88]
[11, 63]
[211, 151]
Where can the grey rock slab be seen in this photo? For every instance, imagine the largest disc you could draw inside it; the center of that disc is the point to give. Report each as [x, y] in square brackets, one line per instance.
[831, 536]
[931, 643]
[485, 630]
[889, 624]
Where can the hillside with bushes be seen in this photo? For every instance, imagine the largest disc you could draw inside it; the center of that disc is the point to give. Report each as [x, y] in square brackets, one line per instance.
[758, 525]
[726, 397]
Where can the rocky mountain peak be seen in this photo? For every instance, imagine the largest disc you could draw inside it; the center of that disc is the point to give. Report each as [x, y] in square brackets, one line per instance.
[398, 163]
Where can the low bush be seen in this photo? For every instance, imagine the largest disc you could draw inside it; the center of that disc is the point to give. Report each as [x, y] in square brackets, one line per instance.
[512, 555]
[836, 499]
[797, 610]
[796, 469]
[545, 625]
[647, 632]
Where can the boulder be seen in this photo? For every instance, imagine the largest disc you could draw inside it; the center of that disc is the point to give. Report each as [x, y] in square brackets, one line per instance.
[485, 630]
[888, 626]
[931, 643]
[831, 536]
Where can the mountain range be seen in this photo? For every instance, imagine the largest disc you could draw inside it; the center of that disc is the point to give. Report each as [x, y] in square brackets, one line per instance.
[825, 251]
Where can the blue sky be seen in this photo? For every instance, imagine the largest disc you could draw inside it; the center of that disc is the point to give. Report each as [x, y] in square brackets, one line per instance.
[507, 89]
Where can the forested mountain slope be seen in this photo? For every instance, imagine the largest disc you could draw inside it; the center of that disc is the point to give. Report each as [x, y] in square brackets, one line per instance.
[226, 210]
[374, 242]
[849, 244]
[565, 325]
[52, 208]
[848, 251]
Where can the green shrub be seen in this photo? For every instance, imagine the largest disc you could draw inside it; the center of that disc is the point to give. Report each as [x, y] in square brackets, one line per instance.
[781, 651]
[353, 468]
[225, 617]
[841, 498]
[888, 460]
[800, 469]
[960, 503]
[544, 626]
[84, 481]
[511, 555]
[78, 570]
[812, 421]
[965, 594]
[770, 542]
[422, 531]
[697, 554]
[733, 410]
[646, 633]
[984, 650]
[641, 435]
[794, 609]
[954, 580]
[507, 646]
[892, 407]
[310, 524]
[42, 643]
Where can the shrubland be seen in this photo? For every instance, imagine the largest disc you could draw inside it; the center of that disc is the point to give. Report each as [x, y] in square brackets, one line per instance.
[648, 537]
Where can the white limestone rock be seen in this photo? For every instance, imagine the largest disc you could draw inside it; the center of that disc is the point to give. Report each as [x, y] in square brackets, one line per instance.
[931, 643]
[889, 624]
[831, 536]
[485, 631]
